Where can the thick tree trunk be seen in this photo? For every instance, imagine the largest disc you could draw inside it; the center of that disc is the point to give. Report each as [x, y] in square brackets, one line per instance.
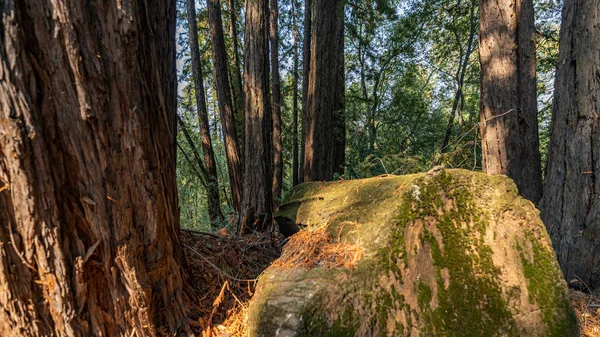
[276, 96]
[306, 46]
[324, 133]
[339, 112]
[236, 73]
[509, 125]
[295, 175]
[212, 189]
[258, 176]
[571, 204]
[88, 204]
[234, 159]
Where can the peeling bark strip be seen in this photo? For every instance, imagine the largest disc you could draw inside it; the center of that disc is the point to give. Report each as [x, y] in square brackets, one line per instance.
[324, 134]
[571, 204]
[509, 126]
[89, 222]
[306, 43]
[258, 174]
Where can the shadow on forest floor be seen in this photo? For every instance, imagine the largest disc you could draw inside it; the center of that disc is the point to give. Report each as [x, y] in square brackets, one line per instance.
[222, 271]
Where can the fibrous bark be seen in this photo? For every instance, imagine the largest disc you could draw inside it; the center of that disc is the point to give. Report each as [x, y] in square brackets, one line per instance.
[235, 71]
[570, 206]
[509, 126]
[324, 134]
[212, 187]
[258, 175]
[306, 45]
[89, 218]
[234, 160]
[276, 97]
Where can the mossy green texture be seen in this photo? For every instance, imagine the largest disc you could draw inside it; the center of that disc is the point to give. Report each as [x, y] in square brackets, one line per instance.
[472, 303]
[545, 291]
[431, 267]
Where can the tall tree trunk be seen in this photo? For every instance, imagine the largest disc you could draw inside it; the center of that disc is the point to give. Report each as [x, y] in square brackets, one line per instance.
[258, 176]
[295, 175]
[234, 159]
[509, 125]
[89, 219]
[214, 201]
[276, 96]
[324, 134]
[306, 45]
[236, 73]
[339, 112]
[571, 203]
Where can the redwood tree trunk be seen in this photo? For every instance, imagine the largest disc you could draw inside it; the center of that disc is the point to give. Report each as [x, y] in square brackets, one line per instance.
[235, 73]
[324, 133]
[212, 187]
[258, 175]
[306, 45]
[571, 204]
[234, 159]
[339, 94]
[276, 96]
[295, 175]
[88, 204]
[509, 125]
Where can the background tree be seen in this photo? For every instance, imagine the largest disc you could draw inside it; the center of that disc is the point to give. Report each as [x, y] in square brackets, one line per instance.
[214, 201]
[324, 137]
[88, 203]
[276, 97]
[509, 126]
[235, 69]
[295, 154]
[570, 206]
[258, 173]
[234, 160]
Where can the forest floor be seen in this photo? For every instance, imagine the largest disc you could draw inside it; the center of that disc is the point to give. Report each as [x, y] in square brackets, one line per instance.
[223, 270]
[587, 309]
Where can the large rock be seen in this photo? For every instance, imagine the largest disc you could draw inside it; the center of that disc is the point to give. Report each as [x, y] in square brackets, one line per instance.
[447, 253]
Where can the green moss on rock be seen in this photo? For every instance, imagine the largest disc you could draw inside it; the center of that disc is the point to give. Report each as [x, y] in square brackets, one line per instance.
[455, 253]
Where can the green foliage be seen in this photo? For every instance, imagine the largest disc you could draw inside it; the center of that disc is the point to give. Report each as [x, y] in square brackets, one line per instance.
[402, 77]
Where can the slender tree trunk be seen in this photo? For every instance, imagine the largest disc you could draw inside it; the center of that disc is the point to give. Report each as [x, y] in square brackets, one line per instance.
[201, 169]
[571, 204]
[236, 73]
[509, 125]
[460, 79]
[212, 189]
[324, 133]
[234, 159]
[295, 173]
[258, 174]
[89, 219]
[276, 96]
[306, 46]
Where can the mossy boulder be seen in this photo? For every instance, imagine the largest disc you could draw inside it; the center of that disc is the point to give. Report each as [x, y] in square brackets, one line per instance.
[447, 253]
